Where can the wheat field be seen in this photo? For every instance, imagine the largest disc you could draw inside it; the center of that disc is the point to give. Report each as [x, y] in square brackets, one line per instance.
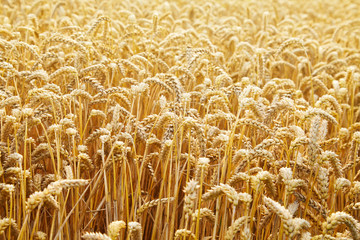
[179, 119]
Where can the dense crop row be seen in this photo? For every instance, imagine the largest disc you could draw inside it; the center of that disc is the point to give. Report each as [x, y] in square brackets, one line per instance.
[179, 120]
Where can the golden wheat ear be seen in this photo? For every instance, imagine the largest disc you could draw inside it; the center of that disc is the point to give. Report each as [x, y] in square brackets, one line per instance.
[179, 119]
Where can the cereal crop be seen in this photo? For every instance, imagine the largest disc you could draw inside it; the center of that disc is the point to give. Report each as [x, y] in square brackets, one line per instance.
[141, 119]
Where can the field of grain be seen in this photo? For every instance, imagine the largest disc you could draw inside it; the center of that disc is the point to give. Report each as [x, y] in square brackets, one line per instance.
[179, 119]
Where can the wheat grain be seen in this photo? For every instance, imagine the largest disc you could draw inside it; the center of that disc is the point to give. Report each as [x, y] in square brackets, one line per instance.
[114, 229]
[236, 227]
[135, 230]
[342, 218]
[152, 203]
[95, 236]
[39, 235]
[184, 233]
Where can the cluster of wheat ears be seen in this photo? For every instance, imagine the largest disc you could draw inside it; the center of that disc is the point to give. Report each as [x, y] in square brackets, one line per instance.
[179, 120]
